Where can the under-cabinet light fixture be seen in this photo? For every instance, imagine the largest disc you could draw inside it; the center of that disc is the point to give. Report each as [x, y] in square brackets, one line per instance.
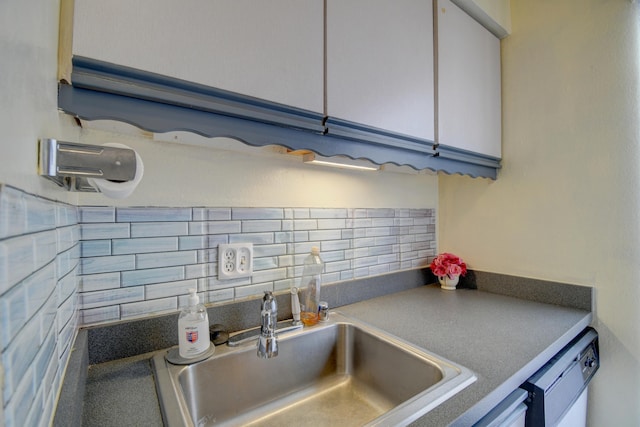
[339, 162]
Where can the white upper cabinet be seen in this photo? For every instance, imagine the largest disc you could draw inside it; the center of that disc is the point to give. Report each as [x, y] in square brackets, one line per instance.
[469, 95]
[271, 50]
[380, 64]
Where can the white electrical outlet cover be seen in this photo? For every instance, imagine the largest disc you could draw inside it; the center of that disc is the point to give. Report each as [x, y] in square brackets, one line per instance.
[235, 260]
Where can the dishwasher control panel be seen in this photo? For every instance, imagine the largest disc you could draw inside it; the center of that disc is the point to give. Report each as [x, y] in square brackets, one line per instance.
[559, 383]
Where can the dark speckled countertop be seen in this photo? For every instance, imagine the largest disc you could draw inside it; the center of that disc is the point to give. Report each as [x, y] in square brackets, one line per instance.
[502, 339]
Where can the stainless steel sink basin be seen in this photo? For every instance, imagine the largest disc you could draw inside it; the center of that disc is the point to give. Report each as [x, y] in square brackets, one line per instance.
[342, 372]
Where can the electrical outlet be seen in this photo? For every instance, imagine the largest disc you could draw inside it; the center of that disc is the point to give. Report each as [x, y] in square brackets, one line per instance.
[235, 260]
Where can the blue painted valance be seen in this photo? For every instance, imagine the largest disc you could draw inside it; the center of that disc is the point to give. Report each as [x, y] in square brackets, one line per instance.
[161, 104]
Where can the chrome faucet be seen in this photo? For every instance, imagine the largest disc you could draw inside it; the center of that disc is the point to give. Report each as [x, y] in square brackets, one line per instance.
[268, 341]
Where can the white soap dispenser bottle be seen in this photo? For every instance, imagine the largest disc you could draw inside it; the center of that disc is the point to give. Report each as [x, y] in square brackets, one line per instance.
[193, 328]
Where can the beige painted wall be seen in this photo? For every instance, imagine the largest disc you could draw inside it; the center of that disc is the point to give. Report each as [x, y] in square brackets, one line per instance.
[565, 205]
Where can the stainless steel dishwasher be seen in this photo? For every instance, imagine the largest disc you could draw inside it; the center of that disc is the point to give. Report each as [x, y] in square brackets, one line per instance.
[558, 391]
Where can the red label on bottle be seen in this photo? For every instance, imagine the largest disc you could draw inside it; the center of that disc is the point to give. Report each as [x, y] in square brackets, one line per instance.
[192, 336]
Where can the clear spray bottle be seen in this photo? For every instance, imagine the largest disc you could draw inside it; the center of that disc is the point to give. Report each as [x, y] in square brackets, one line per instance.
[310, 285]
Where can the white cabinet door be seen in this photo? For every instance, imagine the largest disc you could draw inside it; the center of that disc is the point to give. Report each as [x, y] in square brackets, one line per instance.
[469, 97]
[380, 64]
[271, 50]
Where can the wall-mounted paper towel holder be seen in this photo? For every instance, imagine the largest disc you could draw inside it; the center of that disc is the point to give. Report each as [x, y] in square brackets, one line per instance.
[69, 164]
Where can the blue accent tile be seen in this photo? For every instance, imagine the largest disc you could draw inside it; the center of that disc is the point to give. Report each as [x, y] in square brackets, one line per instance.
[269, 250]
[305, 224]
[381, 213]
[41, 214]
[327, 224]
[99, 315]
[255, 238]
[66, 215]
[152, 275]
[223, 227]
[325, 235]
[159, 229]
[45, 247]
[66, 237]
[331, 267]
[98, 282]
[378, 231]
[269, 275]
[19, 355]
[254, 226]
[67, 286]
[152, 214]
[39, 287]
[144, 245]
[257, 213]
[44, 356]
[301, 213]
[252, 290]
[166, 259]
[334, 245]
[13, 314]
[220, 295]
[97, 214]
[211, 214]
[92, 248]
[106, 264]
[192, 242]
[265, 263]
[168, 289]
[155, 306]
[328, 213]
[17, 260]
[111, 297]
[13, 212]
[101, 231]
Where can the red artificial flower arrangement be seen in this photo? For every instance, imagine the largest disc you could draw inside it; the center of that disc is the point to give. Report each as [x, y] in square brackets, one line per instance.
[447, 264]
